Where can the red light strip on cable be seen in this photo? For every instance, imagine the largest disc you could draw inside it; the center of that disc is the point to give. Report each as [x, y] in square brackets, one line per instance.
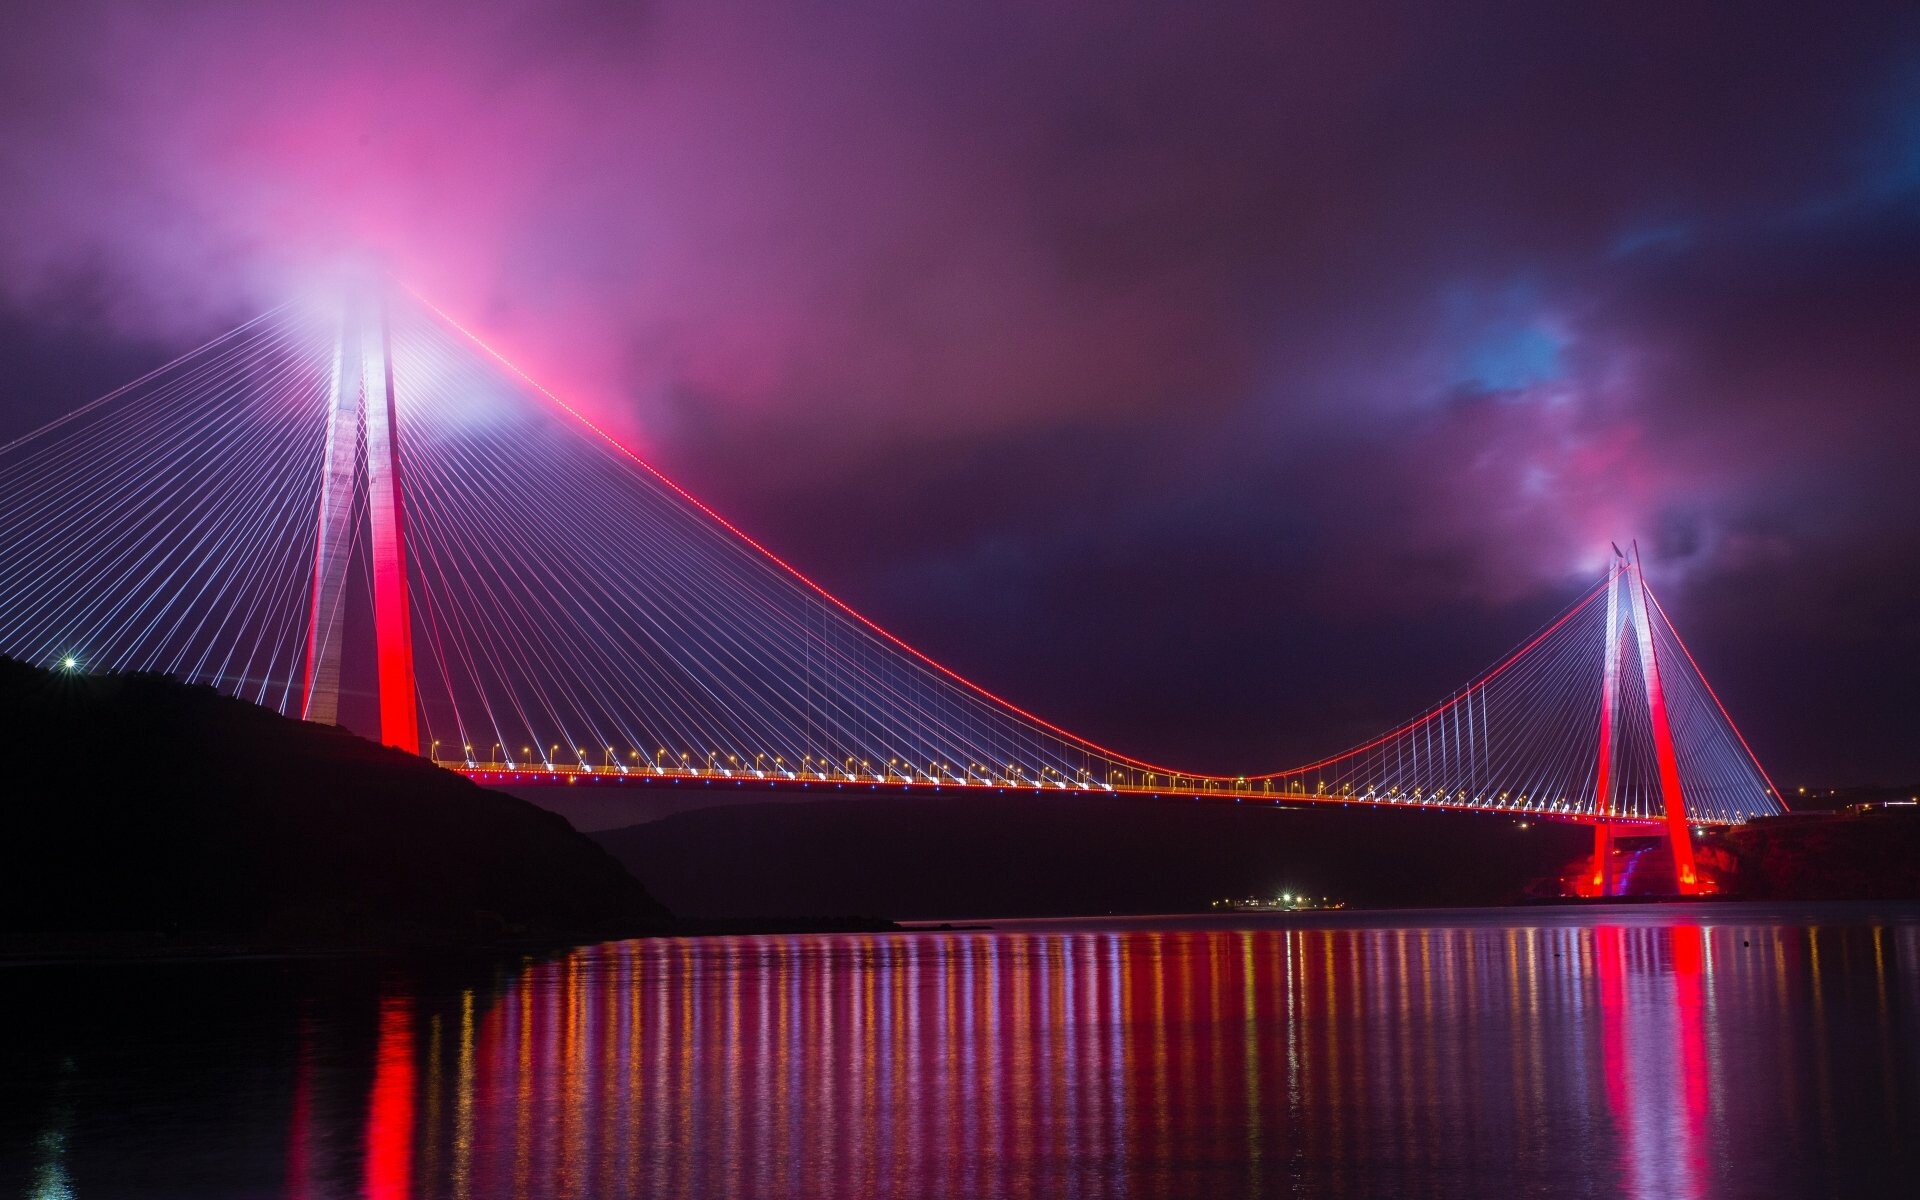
[950, 673]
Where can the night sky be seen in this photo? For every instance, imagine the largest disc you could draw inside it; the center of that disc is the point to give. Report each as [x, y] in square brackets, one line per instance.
[1224, 383]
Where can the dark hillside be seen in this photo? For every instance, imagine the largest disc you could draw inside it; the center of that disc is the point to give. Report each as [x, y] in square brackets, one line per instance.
[1863, 855]
[137, 803]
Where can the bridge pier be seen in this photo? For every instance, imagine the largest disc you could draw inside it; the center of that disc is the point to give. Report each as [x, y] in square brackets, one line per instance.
[392, 620]
[320, 683]
[361, 407]
[1673, 801]
[1603, 772]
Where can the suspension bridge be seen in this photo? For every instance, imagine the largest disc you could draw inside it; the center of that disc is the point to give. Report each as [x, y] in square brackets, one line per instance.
[330, 494]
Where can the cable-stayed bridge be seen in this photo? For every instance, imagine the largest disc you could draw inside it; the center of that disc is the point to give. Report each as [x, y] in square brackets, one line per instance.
[320, 496]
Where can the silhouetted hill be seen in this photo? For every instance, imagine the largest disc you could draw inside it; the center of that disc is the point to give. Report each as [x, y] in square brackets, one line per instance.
[135, 802]
[1871, 855]
[938, 855]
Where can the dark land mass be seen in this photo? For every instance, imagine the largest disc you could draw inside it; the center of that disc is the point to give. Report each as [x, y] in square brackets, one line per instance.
[932, 856]
[938, 856]
[146, 814]
[1872, 853]
[140, 811]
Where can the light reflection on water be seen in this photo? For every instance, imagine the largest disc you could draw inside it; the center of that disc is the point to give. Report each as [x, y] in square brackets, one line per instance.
[1708, 1052]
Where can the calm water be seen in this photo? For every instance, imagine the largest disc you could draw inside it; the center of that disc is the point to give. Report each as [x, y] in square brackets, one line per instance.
[1706, 1052]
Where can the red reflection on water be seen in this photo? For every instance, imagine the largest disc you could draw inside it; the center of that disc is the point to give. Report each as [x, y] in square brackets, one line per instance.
[390, 1106]
[1610, 968]
[1654, 1055]
[1345, 1061]
[1690, 1016]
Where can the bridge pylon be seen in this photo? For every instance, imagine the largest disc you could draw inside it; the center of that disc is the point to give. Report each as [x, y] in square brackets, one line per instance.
[1627, 580]
[361, 416]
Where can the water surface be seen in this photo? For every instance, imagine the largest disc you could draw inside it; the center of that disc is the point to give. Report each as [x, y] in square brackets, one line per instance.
[1709, 1051]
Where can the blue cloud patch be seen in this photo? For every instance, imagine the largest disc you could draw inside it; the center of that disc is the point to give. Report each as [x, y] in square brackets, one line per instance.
[1510, 359]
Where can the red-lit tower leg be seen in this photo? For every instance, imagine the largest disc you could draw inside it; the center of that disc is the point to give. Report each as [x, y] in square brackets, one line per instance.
[320, 685]
[1603, 776]
[362, 396]
[1670, 797]
[392, 624]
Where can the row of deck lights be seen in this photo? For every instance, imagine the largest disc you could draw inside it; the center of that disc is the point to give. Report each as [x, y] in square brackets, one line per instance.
[853, 769]
[819, 767]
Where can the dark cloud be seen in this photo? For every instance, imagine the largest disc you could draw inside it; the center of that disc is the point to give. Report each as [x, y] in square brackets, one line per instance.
[1223, 379]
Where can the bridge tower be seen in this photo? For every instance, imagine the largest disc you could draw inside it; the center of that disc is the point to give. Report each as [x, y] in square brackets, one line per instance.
[361, 414]
[1627, 579]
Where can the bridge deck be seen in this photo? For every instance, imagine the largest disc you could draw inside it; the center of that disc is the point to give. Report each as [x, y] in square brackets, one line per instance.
[1188, 788]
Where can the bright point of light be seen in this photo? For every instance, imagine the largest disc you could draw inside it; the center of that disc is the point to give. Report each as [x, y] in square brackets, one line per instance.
[69, 663]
